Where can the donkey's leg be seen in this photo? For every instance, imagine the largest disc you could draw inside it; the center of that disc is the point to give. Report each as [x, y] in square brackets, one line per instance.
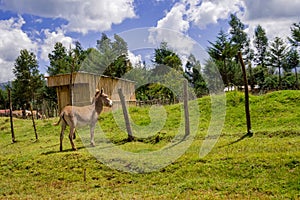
[71, 136]
[92, 129]
[63, 127]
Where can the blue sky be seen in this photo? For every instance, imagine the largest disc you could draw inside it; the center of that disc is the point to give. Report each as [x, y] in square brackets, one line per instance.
[187, 25]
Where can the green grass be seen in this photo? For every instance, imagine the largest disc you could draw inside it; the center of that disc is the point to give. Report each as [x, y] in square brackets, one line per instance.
[265, 166]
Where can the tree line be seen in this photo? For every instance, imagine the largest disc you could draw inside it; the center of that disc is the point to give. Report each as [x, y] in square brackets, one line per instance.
[271, 65]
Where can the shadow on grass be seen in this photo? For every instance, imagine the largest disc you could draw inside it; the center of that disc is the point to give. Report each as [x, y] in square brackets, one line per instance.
[63, 151]
[250, 134]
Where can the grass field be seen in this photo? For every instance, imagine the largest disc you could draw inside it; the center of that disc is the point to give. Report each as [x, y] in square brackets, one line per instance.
[265, 166]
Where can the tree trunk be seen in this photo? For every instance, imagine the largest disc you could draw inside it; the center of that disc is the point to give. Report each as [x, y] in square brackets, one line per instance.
[247, 109]
[280, 86]
[11, 118]
[297, 82]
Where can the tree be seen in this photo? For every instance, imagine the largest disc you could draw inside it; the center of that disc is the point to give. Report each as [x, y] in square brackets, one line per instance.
[58, 60]
[109, 58]
[118, 67]
[163, 83]
[3, 99]
[64, 61]
[238, 36]
[261, 45]
[211, 74]
[295, 30]
[77, 56]
[28, 82]
[166, 57]
[277, 56]
[223, 52]
[113, 56]
[192, 73]
[292, 62]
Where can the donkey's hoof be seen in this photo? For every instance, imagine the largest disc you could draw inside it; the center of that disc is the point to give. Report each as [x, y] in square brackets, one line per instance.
[93, 145]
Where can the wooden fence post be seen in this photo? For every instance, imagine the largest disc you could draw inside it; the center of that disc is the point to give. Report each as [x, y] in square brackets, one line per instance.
[33, 122]
[247, 109]
[186, 108]
[11, 117]
[125, 113]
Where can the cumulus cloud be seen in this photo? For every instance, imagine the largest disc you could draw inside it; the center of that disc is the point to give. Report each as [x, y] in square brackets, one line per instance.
[135, 60]
[82, 16]
[261, 9]
[202, 13]
[12, 41]
[275, 16]
[173, 30]
[50, 39]
[179, 42]
[175, 19]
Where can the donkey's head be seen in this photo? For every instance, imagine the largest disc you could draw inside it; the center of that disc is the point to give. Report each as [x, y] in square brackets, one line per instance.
[102, 99]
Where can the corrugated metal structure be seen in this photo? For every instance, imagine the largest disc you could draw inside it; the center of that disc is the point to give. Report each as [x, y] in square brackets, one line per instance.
[84, 87]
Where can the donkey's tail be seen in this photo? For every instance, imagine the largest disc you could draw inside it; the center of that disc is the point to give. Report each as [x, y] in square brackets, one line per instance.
[60, 117]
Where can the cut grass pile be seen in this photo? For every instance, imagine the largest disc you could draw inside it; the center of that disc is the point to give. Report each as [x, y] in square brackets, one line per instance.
[265, 166]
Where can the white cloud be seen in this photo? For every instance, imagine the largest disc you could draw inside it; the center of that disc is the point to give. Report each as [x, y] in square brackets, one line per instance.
[177, 41]
[6, 73]
[271, 9]
[82, 16]
[50, 39]
[134, 59]
[202, 13]
[275, 16]
[175, 19]
[173, 29]
[12, 41]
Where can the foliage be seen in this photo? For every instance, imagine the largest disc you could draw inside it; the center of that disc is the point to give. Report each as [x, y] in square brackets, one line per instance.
[167, 58]
[267, 59]
[238, 36]
[4, 104]
[119, 67]
[64, 61]
[292, 62]
[58, 60]
[109, 58]
[261, 45]
[29, 82]
[223, 52]
[193, 74]
[295, 30]
[167, 67]
[277, 56]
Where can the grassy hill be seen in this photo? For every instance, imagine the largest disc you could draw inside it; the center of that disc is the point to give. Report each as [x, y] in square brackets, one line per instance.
[265, 166]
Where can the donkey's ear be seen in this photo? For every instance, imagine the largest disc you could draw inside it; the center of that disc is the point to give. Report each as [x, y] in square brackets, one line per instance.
[101, 90]
[97, 92]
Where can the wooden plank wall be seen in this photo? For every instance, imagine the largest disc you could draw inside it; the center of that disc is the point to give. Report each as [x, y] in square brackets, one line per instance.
[85, 85]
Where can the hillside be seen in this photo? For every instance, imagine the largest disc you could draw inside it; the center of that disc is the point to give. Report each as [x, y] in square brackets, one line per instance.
[265, 166]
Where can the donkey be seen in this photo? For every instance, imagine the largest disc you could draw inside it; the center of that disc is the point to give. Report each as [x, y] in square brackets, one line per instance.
[75, 116]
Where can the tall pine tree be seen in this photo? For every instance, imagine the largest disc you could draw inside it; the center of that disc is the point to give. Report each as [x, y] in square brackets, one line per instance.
[277, 56]
[28, 82]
